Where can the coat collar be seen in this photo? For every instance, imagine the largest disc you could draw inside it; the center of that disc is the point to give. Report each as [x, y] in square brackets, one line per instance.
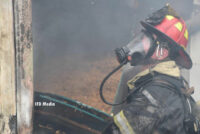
[168, 68]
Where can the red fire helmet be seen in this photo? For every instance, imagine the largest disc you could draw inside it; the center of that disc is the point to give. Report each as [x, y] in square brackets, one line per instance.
[174, 31]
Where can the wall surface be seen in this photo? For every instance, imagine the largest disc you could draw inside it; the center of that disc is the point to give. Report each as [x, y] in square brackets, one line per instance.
[7, 67]
[195, 71]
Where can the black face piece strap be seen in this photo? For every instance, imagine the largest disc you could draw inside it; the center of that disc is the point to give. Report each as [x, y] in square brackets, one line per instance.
[152, 46]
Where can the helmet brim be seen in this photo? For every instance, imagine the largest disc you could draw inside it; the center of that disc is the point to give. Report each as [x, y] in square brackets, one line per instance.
[179, 54]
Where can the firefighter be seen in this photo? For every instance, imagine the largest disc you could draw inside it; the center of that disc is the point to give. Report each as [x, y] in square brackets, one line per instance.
[129, 71]
[159, 99]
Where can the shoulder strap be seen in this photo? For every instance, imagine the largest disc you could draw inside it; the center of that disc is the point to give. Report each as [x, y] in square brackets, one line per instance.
[175, 88]
[191, 122]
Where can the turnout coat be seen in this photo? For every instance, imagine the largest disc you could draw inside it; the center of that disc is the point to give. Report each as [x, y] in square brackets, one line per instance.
[159, 102]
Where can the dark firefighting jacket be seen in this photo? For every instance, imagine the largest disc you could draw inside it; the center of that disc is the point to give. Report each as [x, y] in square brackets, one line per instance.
[158, 103]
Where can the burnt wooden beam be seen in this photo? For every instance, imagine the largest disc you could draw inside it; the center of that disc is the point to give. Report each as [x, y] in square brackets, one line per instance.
[24, 64]
[16, 67]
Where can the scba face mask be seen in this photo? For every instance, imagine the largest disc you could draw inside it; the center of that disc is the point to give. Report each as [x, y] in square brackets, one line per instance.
[138, 51]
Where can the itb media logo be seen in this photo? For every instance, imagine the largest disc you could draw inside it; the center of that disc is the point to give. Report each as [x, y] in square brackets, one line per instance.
[45, 104]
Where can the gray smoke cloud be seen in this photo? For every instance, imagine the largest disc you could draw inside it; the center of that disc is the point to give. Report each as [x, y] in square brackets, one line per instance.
[66, 33]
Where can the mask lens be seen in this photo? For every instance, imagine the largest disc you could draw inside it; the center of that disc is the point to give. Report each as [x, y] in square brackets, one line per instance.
[139, 48]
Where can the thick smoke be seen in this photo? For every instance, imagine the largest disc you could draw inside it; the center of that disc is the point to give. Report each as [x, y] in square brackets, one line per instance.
[71, 34]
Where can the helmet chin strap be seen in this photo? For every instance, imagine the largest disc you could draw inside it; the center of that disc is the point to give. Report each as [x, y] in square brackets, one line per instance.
[159, 49]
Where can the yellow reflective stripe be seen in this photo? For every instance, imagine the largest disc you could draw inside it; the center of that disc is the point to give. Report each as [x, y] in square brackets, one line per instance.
[183, 46]
[150, 97]
[186, 34]
[179, 26]
[123, 124]
[127, 123]
[195, 127]
[117, 123]
[169, 17]
[198, 103]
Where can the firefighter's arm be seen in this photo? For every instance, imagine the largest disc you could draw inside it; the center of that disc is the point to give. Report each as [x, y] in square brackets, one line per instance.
[138, 116]
[153, 110]
[133, 118]
[122, 90]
